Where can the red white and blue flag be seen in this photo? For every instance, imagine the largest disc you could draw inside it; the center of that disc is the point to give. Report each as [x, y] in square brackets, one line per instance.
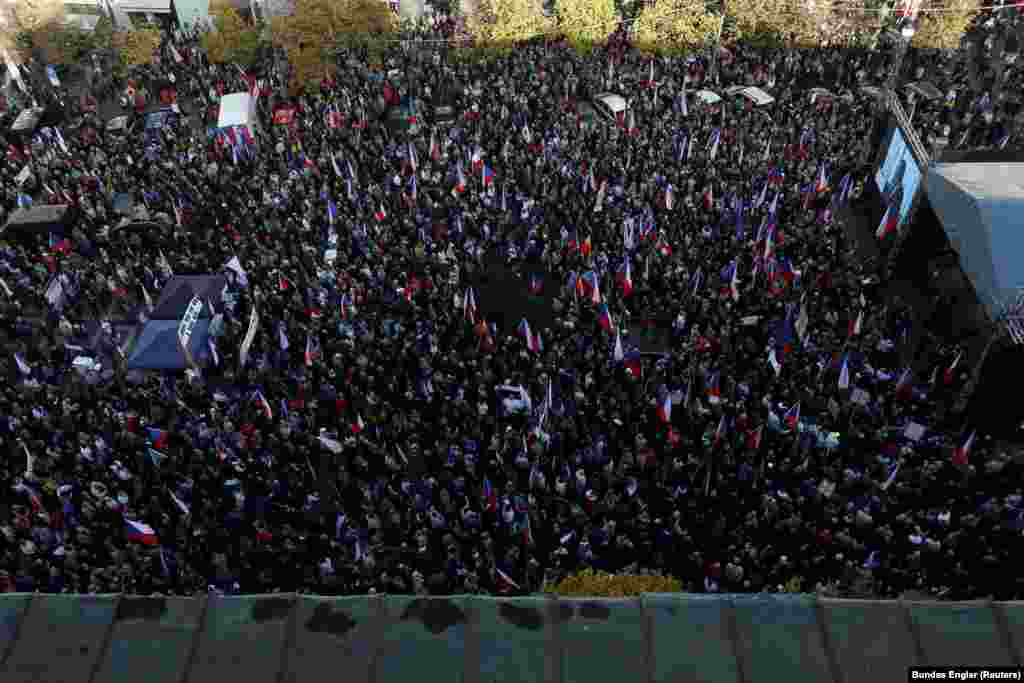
[792, 417]
[961, 453]
[137, 532]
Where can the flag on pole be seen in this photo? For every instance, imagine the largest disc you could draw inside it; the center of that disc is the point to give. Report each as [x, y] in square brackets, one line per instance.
[844, 375]
[950, 373]
[856, 324]
[904, 387]
[792, 417]
[664, 407]
[264, 405]
[138, 532]
[961, 453]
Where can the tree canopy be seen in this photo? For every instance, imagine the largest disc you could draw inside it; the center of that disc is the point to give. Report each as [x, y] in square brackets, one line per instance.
[316, 28]
[136, 47]
[500, 23]
[234, 40]
[586, 22]
[671, 26]
[944, 27]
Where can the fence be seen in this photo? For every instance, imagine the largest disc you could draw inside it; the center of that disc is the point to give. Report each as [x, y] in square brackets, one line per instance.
[652, 639]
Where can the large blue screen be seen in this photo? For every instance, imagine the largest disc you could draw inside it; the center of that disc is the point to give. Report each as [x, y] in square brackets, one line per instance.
[899, 176]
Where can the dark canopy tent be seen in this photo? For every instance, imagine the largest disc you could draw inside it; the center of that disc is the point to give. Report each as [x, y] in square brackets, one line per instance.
[149, 232]
[39, 220]
[156, 346]
[180, 291]
[981, 207]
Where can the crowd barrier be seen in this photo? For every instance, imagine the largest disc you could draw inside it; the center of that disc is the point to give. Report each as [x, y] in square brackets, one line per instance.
[470, 639]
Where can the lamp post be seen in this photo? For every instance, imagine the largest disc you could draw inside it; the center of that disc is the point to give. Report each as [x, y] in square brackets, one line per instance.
[906, 34]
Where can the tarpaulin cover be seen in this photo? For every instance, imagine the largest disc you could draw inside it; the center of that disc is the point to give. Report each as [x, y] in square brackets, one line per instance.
[156, 347]
[179, 292]
[981, 207]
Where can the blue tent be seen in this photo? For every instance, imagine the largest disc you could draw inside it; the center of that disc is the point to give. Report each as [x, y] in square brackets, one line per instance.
[178, 293]
[156, 346]
[981, 208]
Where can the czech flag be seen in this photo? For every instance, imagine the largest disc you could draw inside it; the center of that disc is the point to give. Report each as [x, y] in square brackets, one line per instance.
[524, 329]
[536, 284]
[265, 408]
[792, 417]
[590, 285]
[890, 221]
[358, 426]
[856, 324]
[381, 214]
[632, 364]
[435, 149]
[961, 454]
[460, 183]
[665, 408]
[487, 175]
[625, 278]
[489, 496]
[159, 437]
[822, 184]
[950, 374]
[604, 317]
[137, 532]
[478, 158]
[714, 390]
[904, 388]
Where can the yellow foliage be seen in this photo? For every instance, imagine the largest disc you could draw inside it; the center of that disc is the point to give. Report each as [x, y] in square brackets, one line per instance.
[672, 26]
[778, 20]
[501, 23]
[587, 22]
[137, 46]
[589, 583]
[39, 30]
[316, 28]
[943, 30]
[235, 40]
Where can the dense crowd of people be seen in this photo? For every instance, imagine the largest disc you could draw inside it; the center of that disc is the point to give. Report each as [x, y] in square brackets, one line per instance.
[386, 431]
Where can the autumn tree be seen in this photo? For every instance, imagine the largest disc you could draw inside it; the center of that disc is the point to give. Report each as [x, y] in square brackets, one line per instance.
[137, 47]
[234, 41]
[40, 28]
[776, 21]
[312, 33]
[943, 22]
[499, 24]
[586, 23]
[672, 26]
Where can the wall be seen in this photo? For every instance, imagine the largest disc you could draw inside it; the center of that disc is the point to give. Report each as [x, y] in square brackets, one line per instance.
[396, 639]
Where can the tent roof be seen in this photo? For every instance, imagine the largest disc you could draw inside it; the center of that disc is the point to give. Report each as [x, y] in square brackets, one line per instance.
[156, 347]
[235, 110]
[179, 292]
[981, 207]
[41, 218]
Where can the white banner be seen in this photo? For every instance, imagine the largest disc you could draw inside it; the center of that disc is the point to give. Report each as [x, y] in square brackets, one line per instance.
[187, 325]
[250, 335]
